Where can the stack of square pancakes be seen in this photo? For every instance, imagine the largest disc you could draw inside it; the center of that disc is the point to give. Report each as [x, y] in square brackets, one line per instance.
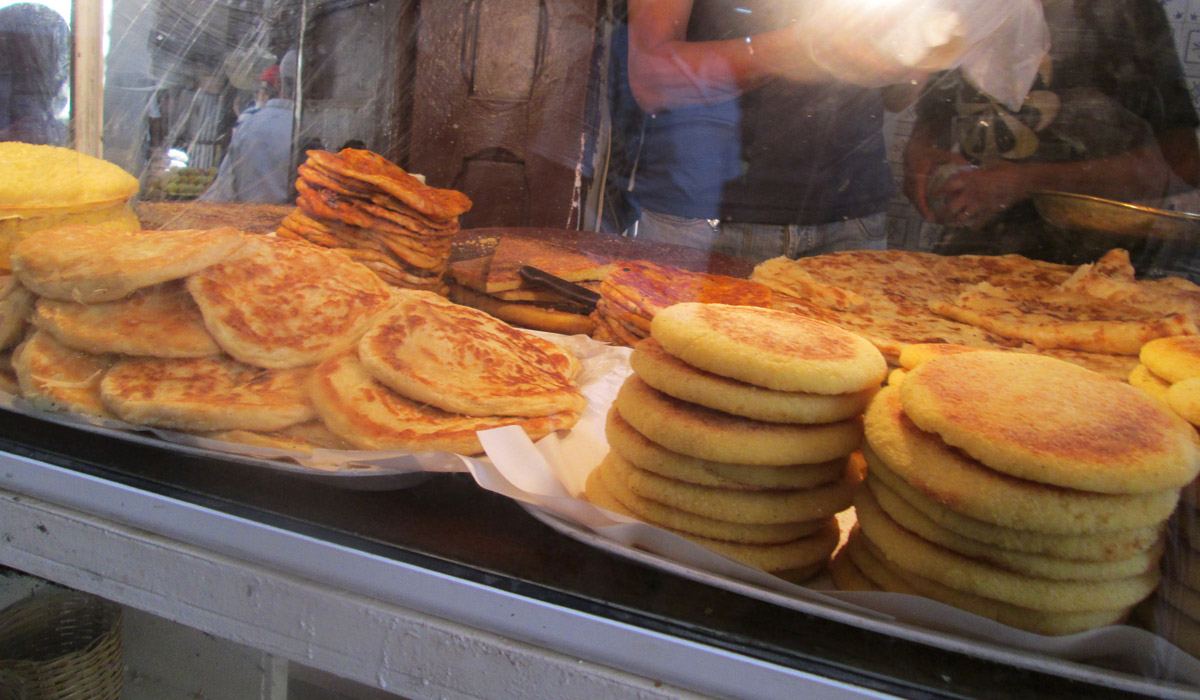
[1020, 488]
[367, 207]
[736, 430]
[266, 341]
[1169, 370]
[633, 292]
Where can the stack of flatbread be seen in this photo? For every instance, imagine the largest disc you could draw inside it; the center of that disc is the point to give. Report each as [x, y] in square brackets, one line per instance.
[247, 338]
[635, 291]
[493, 283]
[43, 187]
[1096, 315]
[1018, 487]
[367, 207]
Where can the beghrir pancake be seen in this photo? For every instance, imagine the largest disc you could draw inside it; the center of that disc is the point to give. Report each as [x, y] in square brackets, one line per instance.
[649, 455]
[89, 264]
[1173, 359]
[462, 360]
[611, 476]
[908, 552]
[768, 348]
[280, 304]
[875, 567]
[721, 437]
[54, 377]
[967, 486]
[372, 168]
[158, 321]
[204, 394]
[674, 377]
[16, 306]
[372, 417]
[1053, 567]
[1049, 421]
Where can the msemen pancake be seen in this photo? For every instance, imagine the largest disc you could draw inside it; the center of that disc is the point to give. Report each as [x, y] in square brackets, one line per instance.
[372, 417]
[54, 377]
[462, 360]
[89, 264]
[158, 321]
[204, 394]
[720, 437]
[767, 348]
[964, 485]
[1049, 421]
[675, 377]
[280, 304]
[16, 305]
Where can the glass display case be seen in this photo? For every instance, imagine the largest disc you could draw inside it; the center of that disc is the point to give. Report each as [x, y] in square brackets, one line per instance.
[417, 137]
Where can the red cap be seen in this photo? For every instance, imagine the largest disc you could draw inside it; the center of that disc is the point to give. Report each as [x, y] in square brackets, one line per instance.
[271, 76]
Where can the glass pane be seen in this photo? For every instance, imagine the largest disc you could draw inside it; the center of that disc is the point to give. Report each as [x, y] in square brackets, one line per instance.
[35, 65]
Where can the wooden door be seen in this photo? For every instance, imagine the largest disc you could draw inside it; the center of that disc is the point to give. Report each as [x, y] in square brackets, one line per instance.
[501, 106]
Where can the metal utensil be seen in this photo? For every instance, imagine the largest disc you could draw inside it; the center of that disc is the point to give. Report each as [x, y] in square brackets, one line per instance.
[1078, 212]
[570, 290]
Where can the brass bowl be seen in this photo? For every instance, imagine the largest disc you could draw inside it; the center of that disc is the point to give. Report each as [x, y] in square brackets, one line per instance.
[1078, 212]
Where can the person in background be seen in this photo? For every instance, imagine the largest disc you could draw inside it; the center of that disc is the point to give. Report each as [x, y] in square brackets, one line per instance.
[35, 60]
[736, 141]
[258, 166]
[1109, 116]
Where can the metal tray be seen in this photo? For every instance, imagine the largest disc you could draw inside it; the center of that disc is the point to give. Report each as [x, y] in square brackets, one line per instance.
[1078, 212]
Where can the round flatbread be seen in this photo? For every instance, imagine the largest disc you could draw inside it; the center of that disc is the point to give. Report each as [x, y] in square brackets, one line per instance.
[720, 437]
[1173, 358]
[158, 321]
[908, 552]
[1049, 421]
[1100, 546]
[771, 349]
[910, 518]
[613, 474]
[89, 264]
[54, 377]
[1142, 378]
[462, 360]
[16, 306]
[1184, 398]
[649, 455]
[675, 377]
[966, 486]
[280, 304]
[750, 507]
[372, 417]
[205, 394]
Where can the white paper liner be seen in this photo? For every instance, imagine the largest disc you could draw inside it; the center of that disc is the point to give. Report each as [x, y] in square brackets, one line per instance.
[548, 479]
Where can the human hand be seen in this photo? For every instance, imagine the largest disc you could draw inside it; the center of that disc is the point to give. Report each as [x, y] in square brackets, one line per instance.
[921, 161]
[843, 56]
[976, 196]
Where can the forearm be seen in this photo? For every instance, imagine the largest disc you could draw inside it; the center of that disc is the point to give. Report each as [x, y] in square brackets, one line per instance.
[1139, 174]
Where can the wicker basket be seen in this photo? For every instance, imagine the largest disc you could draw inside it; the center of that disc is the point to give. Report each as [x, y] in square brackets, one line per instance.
[62, 645]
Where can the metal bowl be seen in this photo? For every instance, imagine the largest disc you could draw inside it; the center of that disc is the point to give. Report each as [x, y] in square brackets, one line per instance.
[1079, 212]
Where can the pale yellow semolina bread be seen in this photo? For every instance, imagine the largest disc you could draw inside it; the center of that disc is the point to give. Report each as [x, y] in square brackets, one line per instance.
[967, 486]
[34, 177]
[1142, 378]
[768, 348]
[89, 264]
[462, 360]
[721, 437]
[278, 304]
[649, 455]
[1049, 421]
[16, 306]
[898, 580]
[158, 321]
[370, 416]
[1174, 358]
[913, 355]
[1184, 398]
[674, 377]
[614, 474]
[911, 553]
[1098, 546]
[54, 377]
[205, 394]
